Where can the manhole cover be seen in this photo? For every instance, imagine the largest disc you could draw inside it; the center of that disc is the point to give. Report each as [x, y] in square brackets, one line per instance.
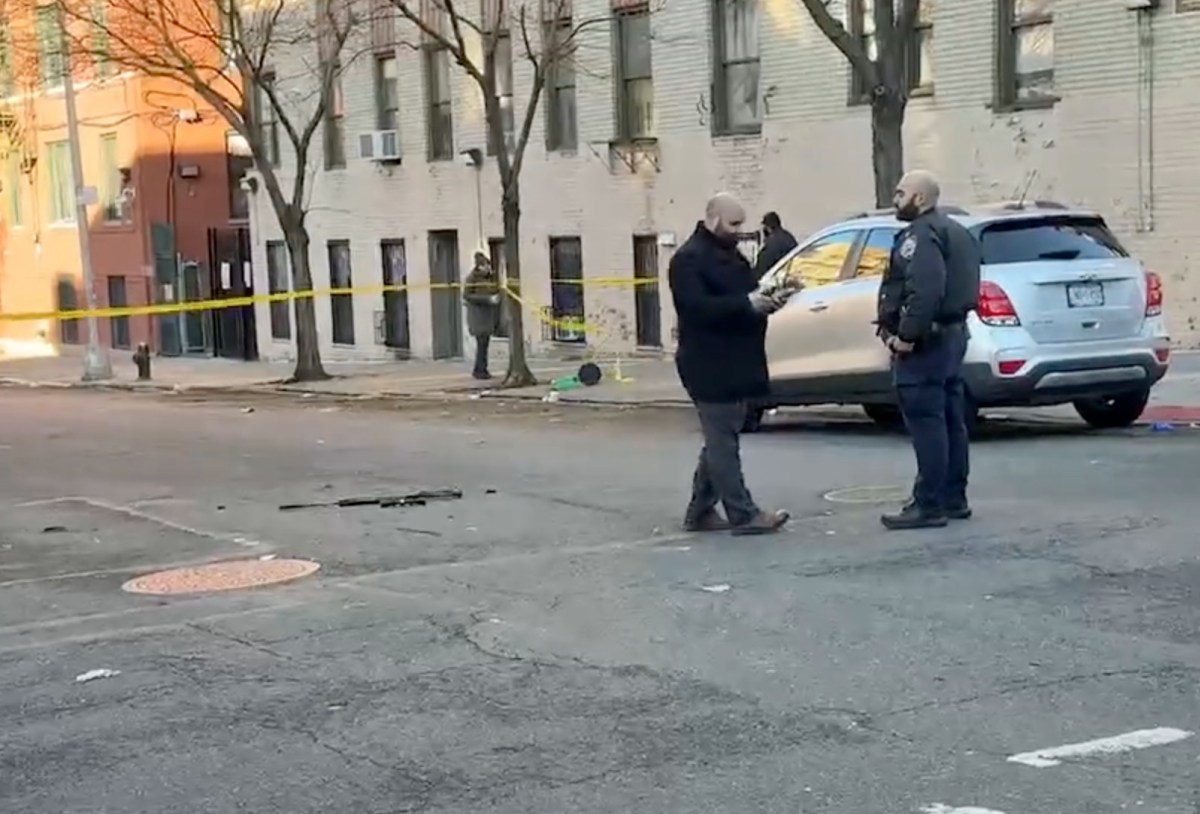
[870, 494]
[221, 576]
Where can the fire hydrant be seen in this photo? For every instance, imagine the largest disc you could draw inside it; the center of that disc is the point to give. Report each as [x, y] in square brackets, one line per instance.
[141, 358]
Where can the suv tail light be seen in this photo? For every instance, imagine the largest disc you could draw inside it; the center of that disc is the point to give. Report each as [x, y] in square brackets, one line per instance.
[994, 307]
[1154, 294]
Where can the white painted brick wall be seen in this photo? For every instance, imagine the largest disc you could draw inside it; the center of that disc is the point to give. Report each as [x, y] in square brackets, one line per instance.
[812, 162]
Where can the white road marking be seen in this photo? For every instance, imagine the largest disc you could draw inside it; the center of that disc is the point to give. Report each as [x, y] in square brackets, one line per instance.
[129, 511]
[941, 808]
[1141, 739]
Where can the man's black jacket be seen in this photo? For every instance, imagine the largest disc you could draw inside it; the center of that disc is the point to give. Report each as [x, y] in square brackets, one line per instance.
[774, 249]
[720, 355]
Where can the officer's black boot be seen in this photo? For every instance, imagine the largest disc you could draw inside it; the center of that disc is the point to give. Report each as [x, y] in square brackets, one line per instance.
[955, 509]
[913, 516]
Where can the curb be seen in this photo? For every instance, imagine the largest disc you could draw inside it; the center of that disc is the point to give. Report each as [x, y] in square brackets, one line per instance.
[1183, 416]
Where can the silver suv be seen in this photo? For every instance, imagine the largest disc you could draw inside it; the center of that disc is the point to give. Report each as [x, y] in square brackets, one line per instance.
[1065, 315]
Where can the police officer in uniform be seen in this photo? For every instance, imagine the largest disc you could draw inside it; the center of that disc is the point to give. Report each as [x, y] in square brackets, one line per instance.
[931, 285]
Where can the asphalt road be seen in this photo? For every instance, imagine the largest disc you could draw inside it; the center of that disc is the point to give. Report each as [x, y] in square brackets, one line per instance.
[549, 643]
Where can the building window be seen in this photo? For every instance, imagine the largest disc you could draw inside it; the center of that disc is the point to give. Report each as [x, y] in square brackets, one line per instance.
[238, 162]
[918, 65]
[62, 185]
[111, 200]
[387, 95]
[1025, 52]
[342, 304]
[566, 290]
[264, 114]
[279, 282]
[6, 64]
[635, 80]
[496, 255]
[118, 326]
[335, 123]
[736, 67]
[12, 190]
[561, 133]
[51, 60]
[439, 101]
[646, 304]
[100, 42]
[504, 92]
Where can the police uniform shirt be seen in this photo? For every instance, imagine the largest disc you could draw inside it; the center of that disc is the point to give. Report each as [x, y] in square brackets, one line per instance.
[917, 269]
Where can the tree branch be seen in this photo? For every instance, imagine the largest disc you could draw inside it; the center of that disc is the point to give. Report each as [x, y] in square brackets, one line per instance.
[837, 34]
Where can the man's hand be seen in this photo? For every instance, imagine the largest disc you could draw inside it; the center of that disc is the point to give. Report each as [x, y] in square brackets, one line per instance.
[765, 304]
[897, 345]
[494, 299]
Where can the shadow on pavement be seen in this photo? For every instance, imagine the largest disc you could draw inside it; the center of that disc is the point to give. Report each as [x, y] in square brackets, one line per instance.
[991, 430]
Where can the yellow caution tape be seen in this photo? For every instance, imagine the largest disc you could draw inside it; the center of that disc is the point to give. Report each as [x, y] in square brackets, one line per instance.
[287, 296]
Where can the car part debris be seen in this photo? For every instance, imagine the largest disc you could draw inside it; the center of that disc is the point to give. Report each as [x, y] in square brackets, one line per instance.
[382, 501]
[92, 675]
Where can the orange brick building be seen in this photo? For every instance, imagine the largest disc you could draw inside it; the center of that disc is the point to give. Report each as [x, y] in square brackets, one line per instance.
[160, 165]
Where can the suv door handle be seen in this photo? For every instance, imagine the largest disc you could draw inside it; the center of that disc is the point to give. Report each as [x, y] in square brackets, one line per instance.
[818, 306]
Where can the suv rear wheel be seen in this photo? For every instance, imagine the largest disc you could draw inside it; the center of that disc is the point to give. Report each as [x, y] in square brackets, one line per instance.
[886, 416]
[754, 419]
[1113, 412]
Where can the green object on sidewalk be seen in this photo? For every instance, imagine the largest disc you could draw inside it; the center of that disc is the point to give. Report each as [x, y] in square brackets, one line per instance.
[566, 383]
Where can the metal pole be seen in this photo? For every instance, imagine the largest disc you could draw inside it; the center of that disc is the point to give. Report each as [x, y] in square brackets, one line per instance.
[96, 364]
[479, 205]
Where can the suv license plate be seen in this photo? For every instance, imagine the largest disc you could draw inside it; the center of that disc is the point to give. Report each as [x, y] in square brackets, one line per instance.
[1085, 295]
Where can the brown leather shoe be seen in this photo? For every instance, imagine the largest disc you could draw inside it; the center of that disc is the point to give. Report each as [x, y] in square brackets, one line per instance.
[711, 521]
[764, 523]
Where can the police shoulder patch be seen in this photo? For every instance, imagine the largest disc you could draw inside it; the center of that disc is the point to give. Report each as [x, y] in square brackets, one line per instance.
[909, 247]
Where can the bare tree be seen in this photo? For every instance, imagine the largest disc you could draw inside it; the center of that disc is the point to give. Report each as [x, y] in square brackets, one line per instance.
[481, 42]
[884, 77]
[225, 52]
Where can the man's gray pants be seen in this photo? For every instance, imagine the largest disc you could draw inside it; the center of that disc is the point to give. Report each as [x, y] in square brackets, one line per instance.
[718, 475]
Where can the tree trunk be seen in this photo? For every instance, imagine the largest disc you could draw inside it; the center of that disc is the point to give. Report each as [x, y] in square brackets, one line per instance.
[308, 351]
[519, 374]
[887, 146]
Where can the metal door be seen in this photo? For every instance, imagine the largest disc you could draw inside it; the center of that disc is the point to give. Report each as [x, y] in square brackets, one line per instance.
[395, 303]
[167, 288]
[647, 308]
[234, 335]
[446, 296]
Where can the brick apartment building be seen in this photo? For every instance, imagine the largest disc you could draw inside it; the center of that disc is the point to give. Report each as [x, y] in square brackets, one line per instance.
[161, 170]
[1083, 101]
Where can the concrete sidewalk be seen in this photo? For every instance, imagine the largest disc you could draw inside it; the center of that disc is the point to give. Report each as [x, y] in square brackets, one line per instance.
[642, 382]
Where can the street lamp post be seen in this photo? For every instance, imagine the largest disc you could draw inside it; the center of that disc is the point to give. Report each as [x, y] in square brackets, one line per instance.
[96, 364]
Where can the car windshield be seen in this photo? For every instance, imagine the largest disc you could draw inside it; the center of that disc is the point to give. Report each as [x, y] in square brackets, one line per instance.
[1031, 240]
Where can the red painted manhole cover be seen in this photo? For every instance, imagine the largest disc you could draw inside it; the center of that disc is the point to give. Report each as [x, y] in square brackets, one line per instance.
[221, 576]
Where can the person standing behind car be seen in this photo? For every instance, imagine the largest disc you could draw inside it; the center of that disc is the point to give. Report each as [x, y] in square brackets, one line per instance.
[930, 287]
[777, 242]
[481, 293]
[722, 363]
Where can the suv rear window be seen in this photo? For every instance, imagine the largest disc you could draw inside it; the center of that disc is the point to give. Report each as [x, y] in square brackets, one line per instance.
[1032, 240]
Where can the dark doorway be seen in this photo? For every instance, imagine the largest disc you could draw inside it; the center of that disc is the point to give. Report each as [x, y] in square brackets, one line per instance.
[341, 278]
[395, 303]
[496, 255]
[68, 300]
[566, 290]
[445, 296]
[234, 335]
[118, 327]
[647, 308]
